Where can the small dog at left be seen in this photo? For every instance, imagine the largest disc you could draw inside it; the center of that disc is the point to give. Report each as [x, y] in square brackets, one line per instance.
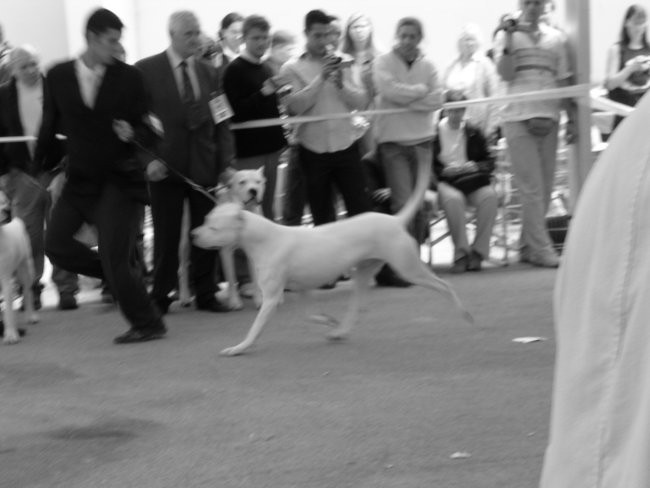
[15, 261]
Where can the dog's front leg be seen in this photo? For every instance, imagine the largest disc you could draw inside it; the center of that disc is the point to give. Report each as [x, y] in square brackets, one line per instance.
[270, 303]
[361, 275]
[11, 332]
[228, 263]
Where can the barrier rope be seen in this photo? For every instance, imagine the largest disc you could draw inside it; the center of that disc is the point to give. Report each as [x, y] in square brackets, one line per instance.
[575, 91]
[550, 94]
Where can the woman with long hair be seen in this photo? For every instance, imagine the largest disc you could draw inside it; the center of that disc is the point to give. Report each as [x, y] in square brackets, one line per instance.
[628, 61]
[230, 38]
[358, 43]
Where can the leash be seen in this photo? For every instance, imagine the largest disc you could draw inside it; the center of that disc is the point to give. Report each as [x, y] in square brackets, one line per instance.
[207, 192]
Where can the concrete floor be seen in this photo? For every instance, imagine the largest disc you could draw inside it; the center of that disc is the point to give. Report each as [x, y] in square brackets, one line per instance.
[388, 408]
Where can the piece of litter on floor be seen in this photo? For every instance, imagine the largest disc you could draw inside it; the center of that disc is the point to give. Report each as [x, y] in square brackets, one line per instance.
[528, 340]
[460, 455]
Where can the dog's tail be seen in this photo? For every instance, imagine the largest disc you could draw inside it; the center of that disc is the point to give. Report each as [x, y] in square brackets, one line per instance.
[408, 211]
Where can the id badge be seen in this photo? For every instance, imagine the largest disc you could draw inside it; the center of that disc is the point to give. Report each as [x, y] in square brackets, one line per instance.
[220, 108]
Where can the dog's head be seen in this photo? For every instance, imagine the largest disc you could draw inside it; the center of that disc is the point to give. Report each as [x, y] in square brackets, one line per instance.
[221, 227]
[5, 208]
[247, 186]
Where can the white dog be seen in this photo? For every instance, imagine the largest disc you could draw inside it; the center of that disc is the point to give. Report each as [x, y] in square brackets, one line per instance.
[15, 260]
[306, 258]
[245, 187]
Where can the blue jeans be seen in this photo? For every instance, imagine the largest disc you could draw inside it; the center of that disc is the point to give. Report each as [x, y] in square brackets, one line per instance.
[533, 160]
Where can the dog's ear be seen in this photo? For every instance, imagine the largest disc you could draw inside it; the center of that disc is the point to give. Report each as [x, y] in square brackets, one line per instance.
[227, 175]
[260, 173]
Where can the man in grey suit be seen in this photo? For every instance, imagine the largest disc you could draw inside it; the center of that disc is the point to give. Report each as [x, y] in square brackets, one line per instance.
[196, 144]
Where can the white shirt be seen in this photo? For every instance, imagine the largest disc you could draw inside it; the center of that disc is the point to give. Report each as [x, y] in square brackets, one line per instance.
[89, 81]
[312, 96]
[30, 108]
[175, 60]
[453, 147]
[541, 61]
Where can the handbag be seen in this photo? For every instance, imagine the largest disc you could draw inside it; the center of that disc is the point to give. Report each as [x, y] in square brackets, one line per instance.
[540, 126]
[470, 181]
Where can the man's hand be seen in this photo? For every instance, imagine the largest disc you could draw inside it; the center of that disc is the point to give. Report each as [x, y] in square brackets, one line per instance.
[123, 130]
[273, 84]
[570, 132]
[381, 195]
[156, 171]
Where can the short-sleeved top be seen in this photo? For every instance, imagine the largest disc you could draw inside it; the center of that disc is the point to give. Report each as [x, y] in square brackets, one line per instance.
[541, 61]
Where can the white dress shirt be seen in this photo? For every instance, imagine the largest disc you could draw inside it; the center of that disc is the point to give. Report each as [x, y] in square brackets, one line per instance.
[89, 81]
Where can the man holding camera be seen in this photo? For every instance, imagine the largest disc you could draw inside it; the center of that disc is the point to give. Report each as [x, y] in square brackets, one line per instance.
[531, 55]
[328, 150]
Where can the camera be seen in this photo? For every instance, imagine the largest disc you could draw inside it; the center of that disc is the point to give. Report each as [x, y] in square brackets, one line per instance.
[509, 22]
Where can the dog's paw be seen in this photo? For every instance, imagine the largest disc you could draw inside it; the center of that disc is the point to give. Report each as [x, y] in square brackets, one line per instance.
[233, 351]
[235, 303]
[324, 319]
[186, 303]
[257, 300]
[11, 338]
[338, 336]
[33, 319]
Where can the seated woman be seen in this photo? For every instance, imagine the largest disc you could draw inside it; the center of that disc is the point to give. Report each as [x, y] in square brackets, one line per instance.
[463, 166]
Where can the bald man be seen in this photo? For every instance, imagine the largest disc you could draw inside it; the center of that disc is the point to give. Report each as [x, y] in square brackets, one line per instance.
[180, 87]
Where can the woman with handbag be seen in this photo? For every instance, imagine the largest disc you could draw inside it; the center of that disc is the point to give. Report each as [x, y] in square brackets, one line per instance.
[462, 166]
[628, 61]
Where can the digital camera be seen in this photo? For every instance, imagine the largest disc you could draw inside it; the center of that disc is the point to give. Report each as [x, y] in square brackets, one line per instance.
[509, 21]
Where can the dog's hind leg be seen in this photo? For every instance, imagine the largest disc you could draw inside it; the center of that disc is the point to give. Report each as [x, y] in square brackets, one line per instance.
[25, 275]
[271, 299]
[361, 276]
[409, 266]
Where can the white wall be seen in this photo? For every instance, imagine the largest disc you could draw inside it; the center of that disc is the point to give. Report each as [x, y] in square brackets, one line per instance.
[41, 23]
[55, 27]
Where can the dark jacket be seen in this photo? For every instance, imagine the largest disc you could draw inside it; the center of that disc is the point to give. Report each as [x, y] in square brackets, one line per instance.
[16, 154]
[95, 154]
[192, 143]
[477, 151]
[243, 82]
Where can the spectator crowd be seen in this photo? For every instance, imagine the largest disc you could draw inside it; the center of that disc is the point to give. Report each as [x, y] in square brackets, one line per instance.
[135, 134]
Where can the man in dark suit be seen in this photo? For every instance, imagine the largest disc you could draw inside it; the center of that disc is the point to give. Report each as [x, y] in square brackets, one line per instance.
[99, 103]
[21, 111]
[196, 144]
